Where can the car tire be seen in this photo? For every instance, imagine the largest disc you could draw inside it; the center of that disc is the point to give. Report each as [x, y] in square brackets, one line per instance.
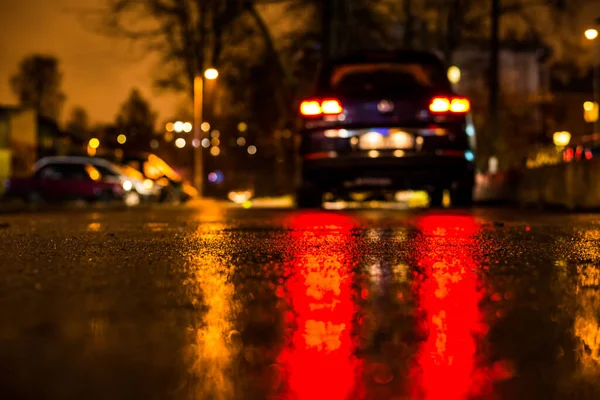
[309, 196]
[436, 197]
[106, 197]
[34, 198]
[462, 197]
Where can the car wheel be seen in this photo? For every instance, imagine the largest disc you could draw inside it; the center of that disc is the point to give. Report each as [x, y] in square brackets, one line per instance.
[309, 196]
[436, 197]
[34, 198]
[462, 197]
[107, 196]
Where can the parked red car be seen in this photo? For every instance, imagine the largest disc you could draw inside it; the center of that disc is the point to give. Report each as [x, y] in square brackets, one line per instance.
[66, 179]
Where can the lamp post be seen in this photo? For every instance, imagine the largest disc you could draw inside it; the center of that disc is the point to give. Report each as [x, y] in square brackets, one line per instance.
[209, 74]
[592, 34]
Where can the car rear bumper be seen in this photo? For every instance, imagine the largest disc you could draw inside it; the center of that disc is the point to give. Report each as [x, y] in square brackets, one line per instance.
[388, 170]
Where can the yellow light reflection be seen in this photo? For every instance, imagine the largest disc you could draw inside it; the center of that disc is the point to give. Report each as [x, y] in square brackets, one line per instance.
[212, 349]
[93, 173]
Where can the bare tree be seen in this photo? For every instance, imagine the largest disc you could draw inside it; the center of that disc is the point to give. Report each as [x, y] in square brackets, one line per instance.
[136, 120]
[79, 122]
[38, 83]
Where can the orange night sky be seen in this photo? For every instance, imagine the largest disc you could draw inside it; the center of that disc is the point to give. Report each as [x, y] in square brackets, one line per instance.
[98, 71]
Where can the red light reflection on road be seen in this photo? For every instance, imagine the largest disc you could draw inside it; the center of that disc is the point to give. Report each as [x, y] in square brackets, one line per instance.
[319, 359]
[448, 293]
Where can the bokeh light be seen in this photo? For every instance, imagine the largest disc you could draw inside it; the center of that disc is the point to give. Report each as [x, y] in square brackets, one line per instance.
[211, 74]
[121, 139]
[251, 150]
[215, 151]
[591, 34]
[178, 127]
[180, 143]
[454, 74]
[94, 143]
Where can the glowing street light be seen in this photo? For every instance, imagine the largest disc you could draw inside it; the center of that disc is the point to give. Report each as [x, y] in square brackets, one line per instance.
[590, 111]
[591, 34]
[178, 126]
[454, 74]
[561, 139]
[94, 143]
[180, 143]
[211, 74]
[121, 139]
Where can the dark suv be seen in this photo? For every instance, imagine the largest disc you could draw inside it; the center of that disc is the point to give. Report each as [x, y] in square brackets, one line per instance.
[386, 122]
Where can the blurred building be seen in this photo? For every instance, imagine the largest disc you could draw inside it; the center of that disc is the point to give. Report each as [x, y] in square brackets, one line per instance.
[566, 111]
[521, 72]
[18, 142]
[523, 83]
[25, 137]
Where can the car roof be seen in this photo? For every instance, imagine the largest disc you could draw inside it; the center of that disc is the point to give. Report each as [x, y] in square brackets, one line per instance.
[75, 160]
[389, 56]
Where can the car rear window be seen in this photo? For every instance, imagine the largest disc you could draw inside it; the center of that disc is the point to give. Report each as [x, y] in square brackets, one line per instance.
[383, 77]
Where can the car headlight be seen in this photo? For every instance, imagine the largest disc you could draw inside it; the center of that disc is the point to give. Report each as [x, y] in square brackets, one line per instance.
[127, 185]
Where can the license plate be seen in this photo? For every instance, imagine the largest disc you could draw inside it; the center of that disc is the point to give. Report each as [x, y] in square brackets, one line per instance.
[369, 182]
[395, 139]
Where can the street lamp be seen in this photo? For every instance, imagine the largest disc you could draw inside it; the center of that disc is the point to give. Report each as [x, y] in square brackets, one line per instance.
[454, 74]
[93, 145]
[210, 74]
[561, 139]
[592, 34]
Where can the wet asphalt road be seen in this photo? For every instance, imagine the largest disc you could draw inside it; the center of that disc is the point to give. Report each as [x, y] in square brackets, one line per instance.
[218, 303]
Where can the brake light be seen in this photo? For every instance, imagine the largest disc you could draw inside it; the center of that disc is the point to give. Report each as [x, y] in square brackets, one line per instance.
[310, 108]
[460, 105]
[455, 105]
[439, 105]
[314, 108]
[331, 107]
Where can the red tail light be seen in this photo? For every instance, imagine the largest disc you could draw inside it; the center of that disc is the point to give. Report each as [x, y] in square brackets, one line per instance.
[310, 108]
[331, 107]
[454, 105]
[314, 108]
